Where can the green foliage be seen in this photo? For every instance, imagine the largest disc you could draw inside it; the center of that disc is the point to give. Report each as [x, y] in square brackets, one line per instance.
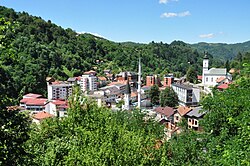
[223, 51]
[96, 136]
[168, 97]
[14, 128]
[227, 121]
[154, 94]
[40, 48]
[191, 75]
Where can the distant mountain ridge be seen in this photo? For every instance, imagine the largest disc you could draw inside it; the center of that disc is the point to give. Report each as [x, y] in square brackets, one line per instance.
[223, 51]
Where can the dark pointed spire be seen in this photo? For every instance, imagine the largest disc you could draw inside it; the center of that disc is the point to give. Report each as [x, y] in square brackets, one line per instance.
[127, 88]
[205, 56]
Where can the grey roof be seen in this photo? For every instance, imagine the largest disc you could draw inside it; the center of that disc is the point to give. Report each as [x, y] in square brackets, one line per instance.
[217, 71]
[119, 85]
[71, 79]
[183, 86]
[145, 88]
[196, 112]
[112, 88]
[146, 103]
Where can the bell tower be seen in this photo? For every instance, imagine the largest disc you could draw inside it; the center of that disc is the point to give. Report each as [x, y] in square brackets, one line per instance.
[205, 67]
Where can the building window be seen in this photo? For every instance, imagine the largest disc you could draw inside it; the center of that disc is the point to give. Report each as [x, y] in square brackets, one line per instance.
[195, 122]
[177, 118]
[206, 79]
[212, 79]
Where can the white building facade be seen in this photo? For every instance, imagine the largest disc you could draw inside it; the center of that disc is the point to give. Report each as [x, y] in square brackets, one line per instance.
[210, 76]
[88, 83]
[59, 90]
[187, 95]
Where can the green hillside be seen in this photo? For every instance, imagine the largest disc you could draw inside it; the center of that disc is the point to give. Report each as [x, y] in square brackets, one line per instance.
[35, 48]
[223, 51]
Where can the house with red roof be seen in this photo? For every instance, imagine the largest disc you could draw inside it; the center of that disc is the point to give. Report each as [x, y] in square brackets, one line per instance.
[223, 86]
[166, 113]
[33, 102]
[180, 113]
[38, 117]
[57, 107]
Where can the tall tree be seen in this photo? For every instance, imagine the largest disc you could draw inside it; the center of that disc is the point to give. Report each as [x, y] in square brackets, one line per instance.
[154, 94]
[168, 97]
[191, 75]
[13, 135]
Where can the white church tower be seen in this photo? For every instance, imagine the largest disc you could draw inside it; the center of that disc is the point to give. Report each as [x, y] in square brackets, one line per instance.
[127, 92]
[205, 67]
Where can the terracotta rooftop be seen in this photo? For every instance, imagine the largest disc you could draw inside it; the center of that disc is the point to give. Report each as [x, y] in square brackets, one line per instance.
[223, 86]
[182, 110]
[167, 111]
[32, 95]
[34, 101]
[42, 115]
[90, 72]
[220, 79]
[199, 77]
[59, 102]
[102, 78]
[134, 94]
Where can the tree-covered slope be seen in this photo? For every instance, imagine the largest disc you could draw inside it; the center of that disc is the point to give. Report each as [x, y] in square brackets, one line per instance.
[35, 49]
[223, 51]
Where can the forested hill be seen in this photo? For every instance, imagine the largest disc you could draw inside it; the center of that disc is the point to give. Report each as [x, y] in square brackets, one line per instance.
[35, 48]
[222, 50]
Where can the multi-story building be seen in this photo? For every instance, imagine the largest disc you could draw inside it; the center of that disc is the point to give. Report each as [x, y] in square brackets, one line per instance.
[59, 90]
[33, 102]
[187, 95]
[88, 83]
[168, 80]
[194, 116]
[153, 80]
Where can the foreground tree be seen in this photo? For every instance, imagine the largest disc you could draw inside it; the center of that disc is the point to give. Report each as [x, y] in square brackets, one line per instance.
[96, 136]
[14, 128]
[168, 97]
[227, 121]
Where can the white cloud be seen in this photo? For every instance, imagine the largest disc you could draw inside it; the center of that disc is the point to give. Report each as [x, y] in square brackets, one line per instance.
[208, 36]
[166, 1]
[182, 14]
[163, 1]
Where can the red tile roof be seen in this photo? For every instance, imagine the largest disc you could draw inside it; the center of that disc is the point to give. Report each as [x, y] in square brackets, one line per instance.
[167, 111]
[102, 78]
[134, 94]
[42, 115]
[120, 82]
[90, 72]
[34, 101]
[223, 86]
[59, 102]
[32, 95]
[220, 79]
[182, 110]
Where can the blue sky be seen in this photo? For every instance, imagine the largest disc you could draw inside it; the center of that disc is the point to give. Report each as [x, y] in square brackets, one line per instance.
[143, 21]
